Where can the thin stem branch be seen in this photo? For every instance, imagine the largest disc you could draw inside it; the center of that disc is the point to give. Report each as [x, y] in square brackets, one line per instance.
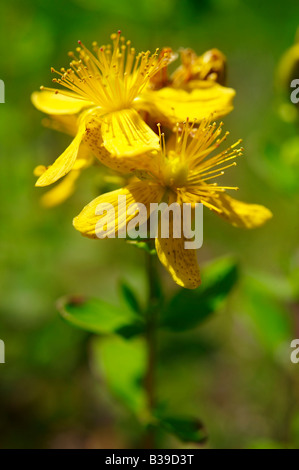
[150, 336]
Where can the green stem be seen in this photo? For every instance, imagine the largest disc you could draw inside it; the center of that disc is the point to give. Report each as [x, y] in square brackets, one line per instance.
[150, 336]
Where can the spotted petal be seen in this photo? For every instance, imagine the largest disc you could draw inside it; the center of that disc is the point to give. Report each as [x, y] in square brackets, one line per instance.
[181, 263]
[140, 192]
[118, 162]
[125, 134]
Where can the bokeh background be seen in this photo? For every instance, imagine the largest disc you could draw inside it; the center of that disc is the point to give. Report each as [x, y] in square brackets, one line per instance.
[234, 372]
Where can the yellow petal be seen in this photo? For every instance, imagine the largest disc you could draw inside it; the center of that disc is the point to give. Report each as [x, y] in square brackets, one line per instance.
[56, 103]
[84, 159]
[125, 134]
[39, 170]
[172, 105]
[94, 140]
[140, 192]
[64, 163]
[240, 214]
[67, 123]
[180, 263]
[61, 191]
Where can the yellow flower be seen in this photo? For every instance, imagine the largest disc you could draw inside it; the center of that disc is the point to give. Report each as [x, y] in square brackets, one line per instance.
[183, 171]
[108, 89]
[64, 189]
[209, 66]
[171, 105]
[194, 69]
[288, 67]
[194, 89]
[103, 87]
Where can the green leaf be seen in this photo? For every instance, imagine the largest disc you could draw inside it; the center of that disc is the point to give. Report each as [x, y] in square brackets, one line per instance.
[123, 363]
[271, 321]
[279, 165]
[97, 316]
[279, 286]
[188, 308]
[186, 429]
[129, 296]
[128, 331]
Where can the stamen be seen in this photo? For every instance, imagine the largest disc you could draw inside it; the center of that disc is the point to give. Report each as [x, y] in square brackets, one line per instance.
[111, 77]
[193, 147]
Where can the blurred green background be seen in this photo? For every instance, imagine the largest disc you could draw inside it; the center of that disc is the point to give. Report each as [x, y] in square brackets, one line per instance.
[235, 371]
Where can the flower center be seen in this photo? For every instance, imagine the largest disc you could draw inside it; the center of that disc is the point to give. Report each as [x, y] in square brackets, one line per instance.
[174, 172]
[111, 77]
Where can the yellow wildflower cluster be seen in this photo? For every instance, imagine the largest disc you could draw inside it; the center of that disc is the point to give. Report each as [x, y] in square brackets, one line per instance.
[114, 101]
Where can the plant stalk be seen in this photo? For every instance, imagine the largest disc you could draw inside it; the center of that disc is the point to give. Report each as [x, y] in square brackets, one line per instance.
[150, 336]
